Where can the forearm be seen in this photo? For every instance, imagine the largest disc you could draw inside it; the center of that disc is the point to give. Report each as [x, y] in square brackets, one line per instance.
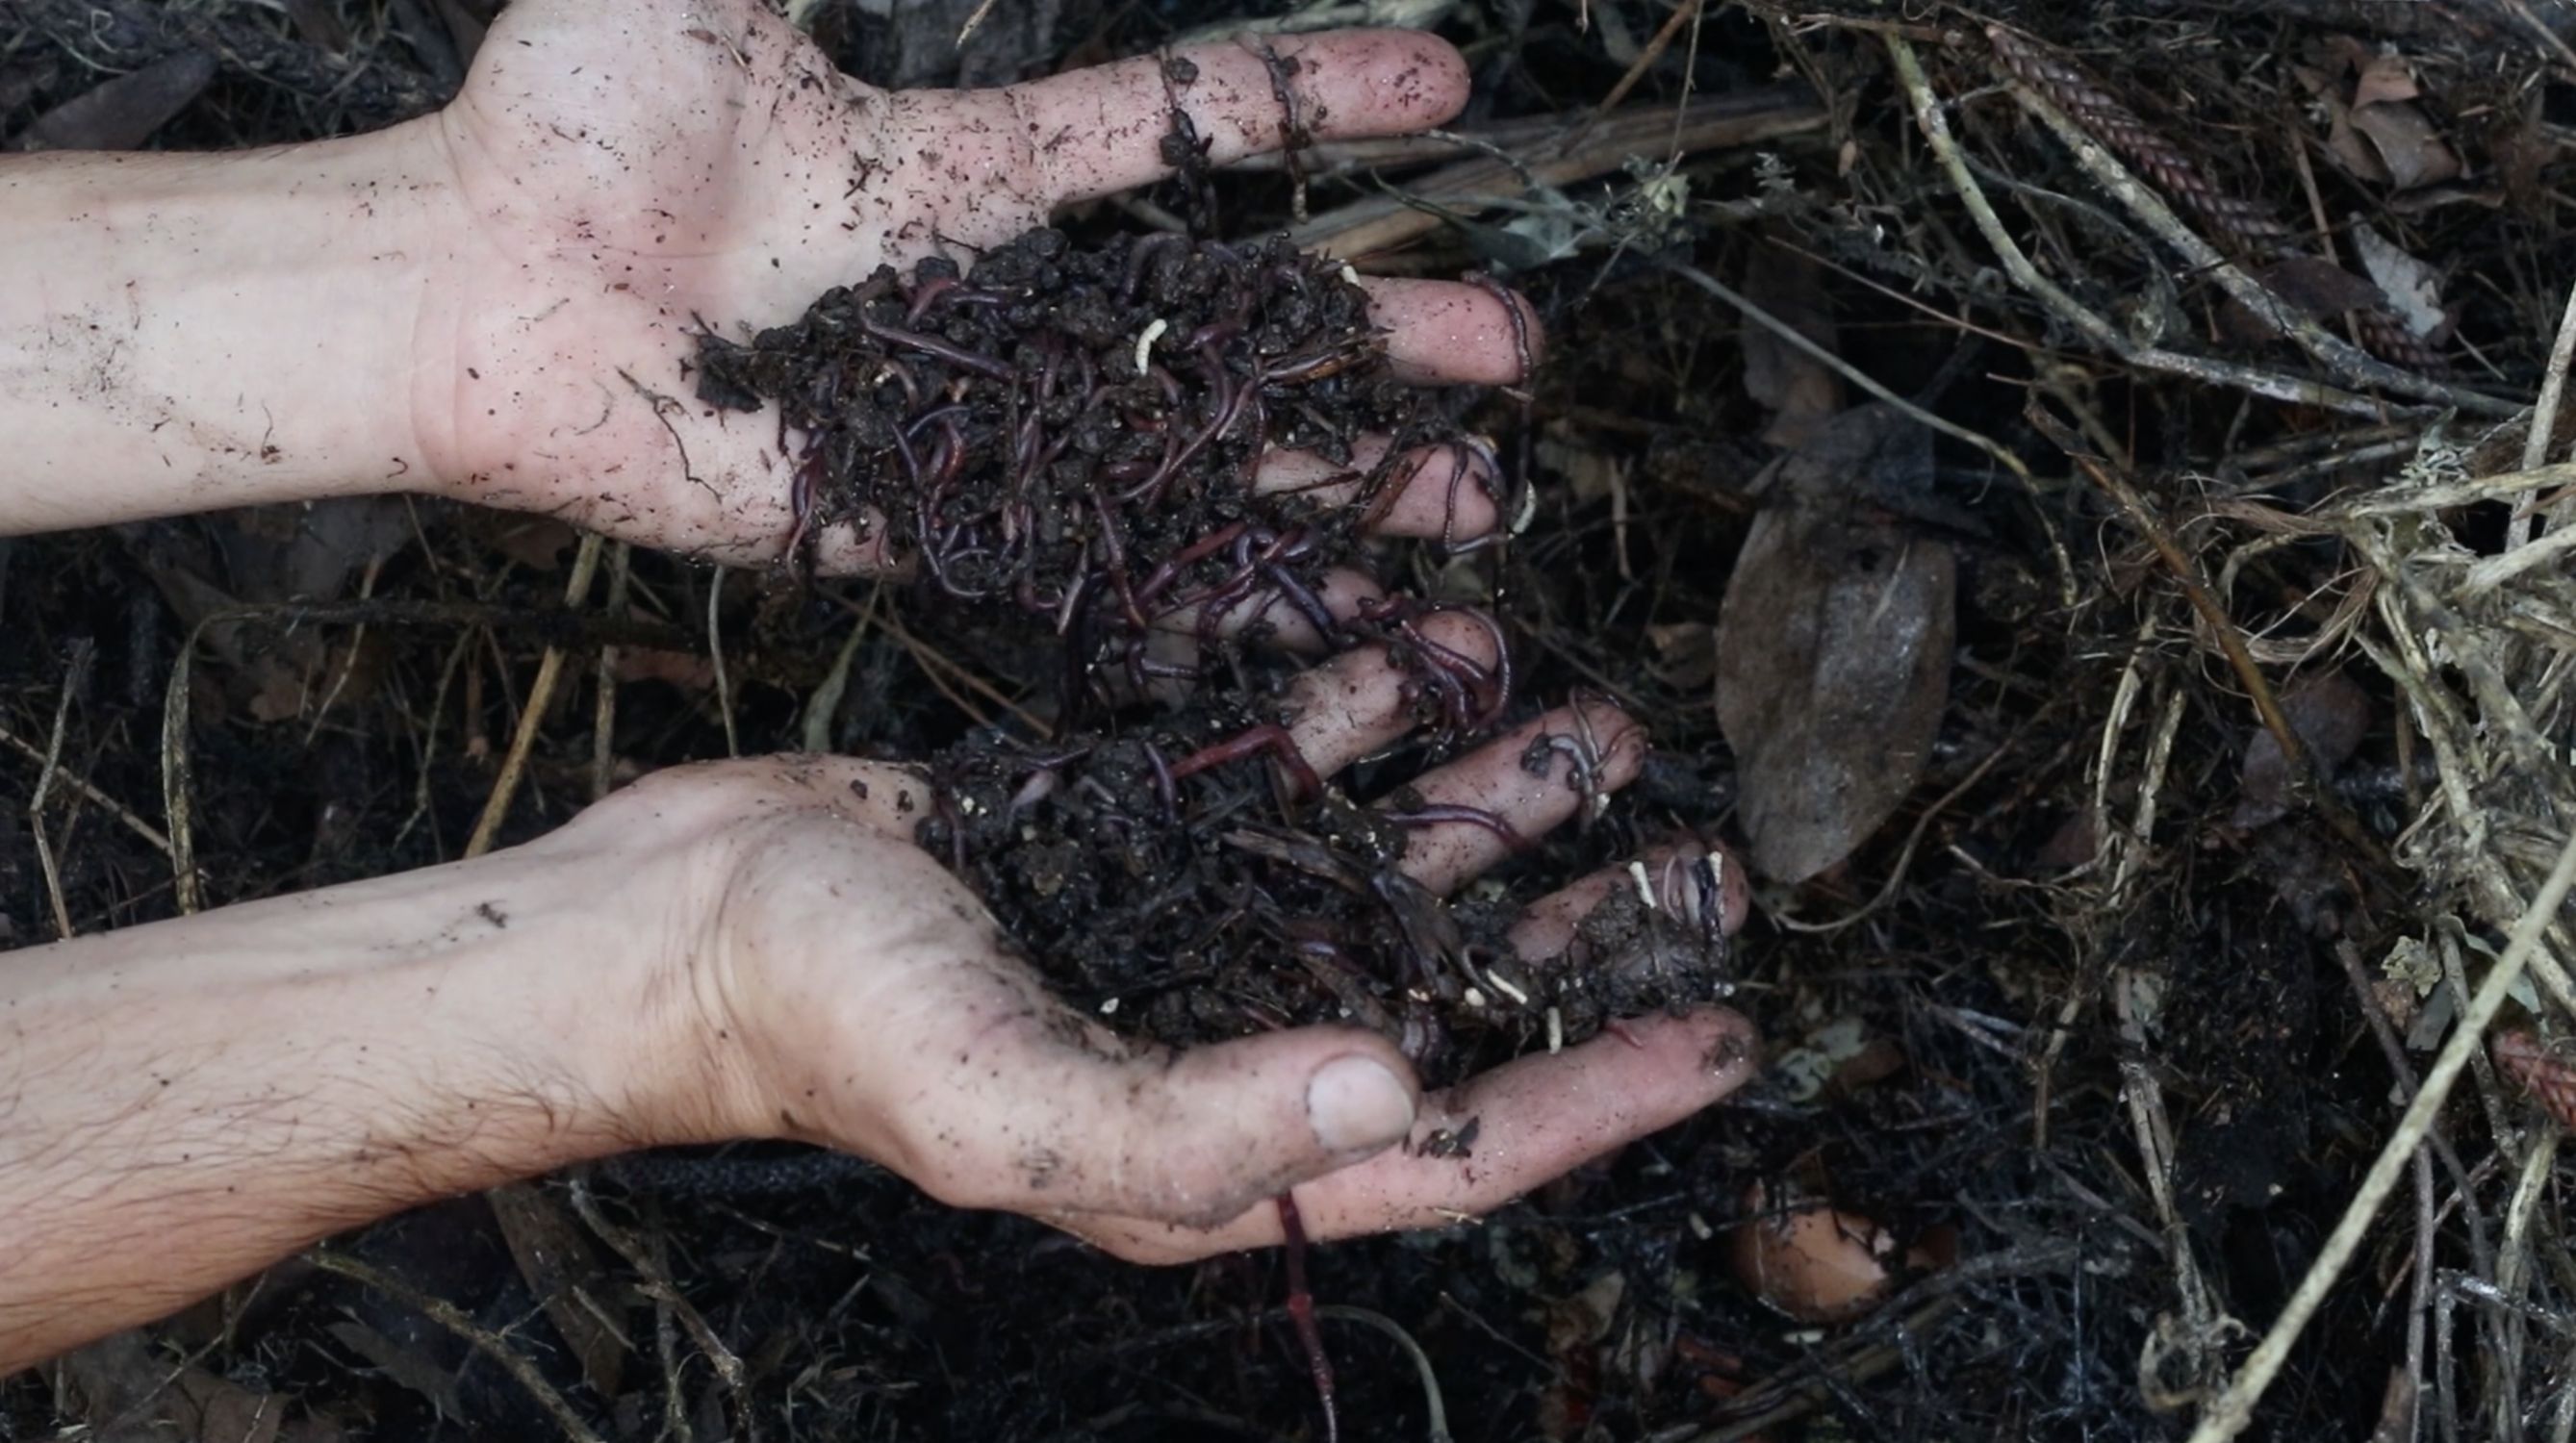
[235, 1085]
[185, 332]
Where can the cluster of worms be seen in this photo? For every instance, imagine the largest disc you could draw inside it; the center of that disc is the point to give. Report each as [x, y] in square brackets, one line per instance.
[1065, 443]
[1070, 437]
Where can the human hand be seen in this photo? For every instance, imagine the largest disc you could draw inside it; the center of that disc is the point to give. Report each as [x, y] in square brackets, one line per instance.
[627, 172]
[842, 988]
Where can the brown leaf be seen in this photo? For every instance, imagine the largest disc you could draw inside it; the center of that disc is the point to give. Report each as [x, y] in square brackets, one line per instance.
[125, 1392]
[2409, 148]
[556, 1258]
[121, 114]
[2384, 79]
[403, 1365]
[1834, 645]
[2329, 714]
[2356, 155]
[2306, 284]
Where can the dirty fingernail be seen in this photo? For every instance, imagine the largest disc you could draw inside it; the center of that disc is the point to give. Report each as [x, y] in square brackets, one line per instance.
[1354, 1103]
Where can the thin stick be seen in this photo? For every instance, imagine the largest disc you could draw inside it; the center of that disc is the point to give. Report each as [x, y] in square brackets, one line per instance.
[68, 778]
[1435, 1410]
[447, 1315]
[1800, 341]
[2544, 413]
[2017, 264]
[2231, 642]
[541, 693]
[661, 1289]
[603, 715]
[715, 653]
[2235, 1408]
[1647, 57]
[2351, 361]
[75, 672]
[974, 22]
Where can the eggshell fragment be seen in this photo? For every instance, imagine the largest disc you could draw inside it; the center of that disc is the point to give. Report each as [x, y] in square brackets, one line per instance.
[1815, 1263]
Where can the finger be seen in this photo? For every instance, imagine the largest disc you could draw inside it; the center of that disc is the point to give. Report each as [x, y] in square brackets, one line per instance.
[858, 546]
[1530, 779]
[1173, 651]
[1098, 131]
[1444, 491]
[1686, 878]
[1450, 333]
[1356, 704]
[1535, 1119]
[1055, 1115]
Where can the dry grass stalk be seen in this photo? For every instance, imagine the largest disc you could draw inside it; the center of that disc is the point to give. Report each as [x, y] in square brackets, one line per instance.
[2084, 100]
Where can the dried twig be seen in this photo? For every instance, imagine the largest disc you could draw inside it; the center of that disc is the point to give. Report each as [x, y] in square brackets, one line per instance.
[532, 717]
[1800, 341]
[2222, 628]
[2234, 1409]
[2060, 79]
[2017, 265]
[75, 675]
[1683, 13]
[2544, 417]
[659, 1287]
[66, 777]
[2350, 361]
[1381, 223]
[447, 1315]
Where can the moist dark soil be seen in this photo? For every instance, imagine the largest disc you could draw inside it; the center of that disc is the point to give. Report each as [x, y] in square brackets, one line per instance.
[2085, 908]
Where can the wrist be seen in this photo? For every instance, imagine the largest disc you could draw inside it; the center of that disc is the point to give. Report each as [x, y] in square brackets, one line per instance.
[207, 331]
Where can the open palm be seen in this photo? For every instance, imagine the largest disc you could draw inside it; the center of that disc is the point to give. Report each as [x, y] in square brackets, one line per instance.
[632, 172]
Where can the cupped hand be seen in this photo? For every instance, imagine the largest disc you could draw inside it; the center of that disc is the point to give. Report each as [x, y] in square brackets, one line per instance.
[843, 988]
[628, 173]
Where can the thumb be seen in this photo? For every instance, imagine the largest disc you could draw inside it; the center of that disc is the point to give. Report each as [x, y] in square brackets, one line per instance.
[1058, 1116]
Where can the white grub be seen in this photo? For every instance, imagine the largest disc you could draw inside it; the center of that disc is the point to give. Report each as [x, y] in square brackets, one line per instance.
[1555, 1032]
[1645, 889]
[1145, 342]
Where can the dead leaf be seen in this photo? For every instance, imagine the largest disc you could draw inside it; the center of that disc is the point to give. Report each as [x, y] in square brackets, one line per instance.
[2384, 79]
[681, 669]
[121, 114]
[2374, 128]
[2407, 287]
[2330, 714]
[1834, 644]
[1593, 471]
[2311, 286]
[556, 1258]
[401, 1364]
[538, 543]
[1801, 392]
[1686, 653]
[2409, 147]
[123, 1390]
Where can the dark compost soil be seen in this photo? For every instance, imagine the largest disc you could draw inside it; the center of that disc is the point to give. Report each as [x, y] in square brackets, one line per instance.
[2109, 1004]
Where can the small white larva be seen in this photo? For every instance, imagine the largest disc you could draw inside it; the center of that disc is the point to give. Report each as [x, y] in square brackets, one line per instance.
[1145, 342]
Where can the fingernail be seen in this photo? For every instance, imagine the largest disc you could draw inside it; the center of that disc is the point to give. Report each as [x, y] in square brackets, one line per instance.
[1355, 1104]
